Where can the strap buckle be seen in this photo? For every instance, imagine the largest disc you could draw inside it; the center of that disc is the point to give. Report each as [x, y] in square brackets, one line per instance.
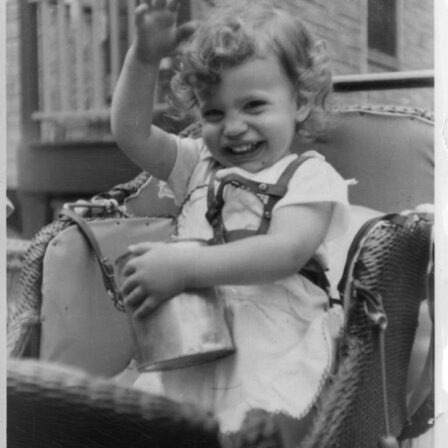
[110, 283]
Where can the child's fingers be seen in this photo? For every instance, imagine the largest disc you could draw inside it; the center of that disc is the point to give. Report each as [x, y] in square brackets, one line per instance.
[148, 4]
[146, 308]
[140, 13]
[172, 5]
[133, 298]
[186, 30]
[128, 269]
[129, 284]
[141, 248]
[159, 4]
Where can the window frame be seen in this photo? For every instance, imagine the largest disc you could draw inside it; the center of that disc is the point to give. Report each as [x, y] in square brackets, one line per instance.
[377, 60]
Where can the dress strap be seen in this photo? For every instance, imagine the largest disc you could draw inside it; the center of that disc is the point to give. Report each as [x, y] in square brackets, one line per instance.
[282, 183]
[275, 192]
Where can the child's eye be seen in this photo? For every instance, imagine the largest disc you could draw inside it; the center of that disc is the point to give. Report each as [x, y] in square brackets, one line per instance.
[212, 115]
[255, 106]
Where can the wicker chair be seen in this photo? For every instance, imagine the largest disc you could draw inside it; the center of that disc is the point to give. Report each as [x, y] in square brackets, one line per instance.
[384, 283]
[380, 146]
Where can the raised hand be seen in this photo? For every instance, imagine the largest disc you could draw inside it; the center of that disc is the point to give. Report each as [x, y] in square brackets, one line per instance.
[157, 33]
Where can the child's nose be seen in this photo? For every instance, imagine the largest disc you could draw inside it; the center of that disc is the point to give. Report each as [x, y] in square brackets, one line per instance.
[234, 126]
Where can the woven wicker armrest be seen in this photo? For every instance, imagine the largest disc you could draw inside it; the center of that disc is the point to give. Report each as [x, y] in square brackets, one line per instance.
[51, 406]
[391, 262]
[15, 253]
[24, 310]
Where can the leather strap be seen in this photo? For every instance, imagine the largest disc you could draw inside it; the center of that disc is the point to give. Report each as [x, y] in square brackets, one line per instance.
[275, 192]
[107, 269]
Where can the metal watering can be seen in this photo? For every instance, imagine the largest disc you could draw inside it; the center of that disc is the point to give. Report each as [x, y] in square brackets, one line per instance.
[187, 330]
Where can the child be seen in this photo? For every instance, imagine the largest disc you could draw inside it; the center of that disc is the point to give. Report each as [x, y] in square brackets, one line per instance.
[255, 76]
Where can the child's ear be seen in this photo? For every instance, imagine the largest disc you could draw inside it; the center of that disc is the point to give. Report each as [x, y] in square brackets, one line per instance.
[302, 112]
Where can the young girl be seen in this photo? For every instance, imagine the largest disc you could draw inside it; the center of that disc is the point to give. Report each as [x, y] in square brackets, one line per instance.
[256, 77]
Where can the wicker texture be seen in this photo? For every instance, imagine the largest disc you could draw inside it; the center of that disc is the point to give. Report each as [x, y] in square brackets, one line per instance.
[15, 256]
[50, 406]
[412, 112]
[392, 262]
[24, 311]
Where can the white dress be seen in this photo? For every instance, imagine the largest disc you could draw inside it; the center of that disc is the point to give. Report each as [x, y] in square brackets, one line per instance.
[284, 346]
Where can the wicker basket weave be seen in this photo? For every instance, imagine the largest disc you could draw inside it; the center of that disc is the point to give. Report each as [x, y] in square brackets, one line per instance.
[54, 406]
[392, 262]
[15, 256]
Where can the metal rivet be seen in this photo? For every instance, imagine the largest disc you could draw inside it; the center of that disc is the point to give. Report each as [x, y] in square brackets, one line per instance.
[267, 215]
[263, 187]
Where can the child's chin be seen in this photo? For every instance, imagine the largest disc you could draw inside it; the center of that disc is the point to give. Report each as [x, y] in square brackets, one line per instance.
[253, 167]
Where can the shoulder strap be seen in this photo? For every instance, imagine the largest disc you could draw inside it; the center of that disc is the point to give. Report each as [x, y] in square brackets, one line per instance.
[275, 192]
[282, 183]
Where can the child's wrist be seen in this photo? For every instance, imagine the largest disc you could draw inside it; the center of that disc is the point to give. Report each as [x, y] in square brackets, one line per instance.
[187, 268]
[142, 58]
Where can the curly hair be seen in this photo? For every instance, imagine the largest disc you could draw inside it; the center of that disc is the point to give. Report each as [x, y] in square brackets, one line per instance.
[235, 32]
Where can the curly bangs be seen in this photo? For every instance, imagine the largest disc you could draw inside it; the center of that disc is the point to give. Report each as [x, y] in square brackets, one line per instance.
[234, 33]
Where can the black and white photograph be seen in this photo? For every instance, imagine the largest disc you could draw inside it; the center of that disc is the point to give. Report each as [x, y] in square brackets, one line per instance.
[226, 223]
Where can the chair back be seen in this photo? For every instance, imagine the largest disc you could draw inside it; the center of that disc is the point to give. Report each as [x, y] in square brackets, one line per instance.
[388, 150]
[385, 280]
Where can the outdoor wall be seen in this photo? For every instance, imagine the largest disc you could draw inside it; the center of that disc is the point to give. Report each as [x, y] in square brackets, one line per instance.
[12, 90]
[342, 24]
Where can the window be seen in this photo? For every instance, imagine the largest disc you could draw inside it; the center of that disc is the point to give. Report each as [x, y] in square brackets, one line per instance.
[382, 34]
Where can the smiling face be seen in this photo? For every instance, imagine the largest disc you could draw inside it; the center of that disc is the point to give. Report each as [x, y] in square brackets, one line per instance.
[249, 118]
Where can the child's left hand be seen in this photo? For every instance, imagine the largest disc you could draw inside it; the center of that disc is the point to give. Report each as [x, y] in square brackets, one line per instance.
[153, 275]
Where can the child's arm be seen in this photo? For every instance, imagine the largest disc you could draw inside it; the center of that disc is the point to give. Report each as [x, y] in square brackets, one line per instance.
[132, 107]
[161, 271]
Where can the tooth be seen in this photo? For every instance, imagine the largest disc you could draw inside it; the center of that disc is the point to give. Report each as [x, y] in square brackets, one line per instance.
[242, 148]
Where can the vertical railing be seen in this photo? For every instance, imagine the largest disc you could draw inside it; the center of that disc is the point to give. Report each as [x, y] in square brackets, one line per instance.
[79, 30]
[97, 61]
[114, 48]
[45, 92]
[82, 44]
[131, 5]
[63, 59]
[81, 50]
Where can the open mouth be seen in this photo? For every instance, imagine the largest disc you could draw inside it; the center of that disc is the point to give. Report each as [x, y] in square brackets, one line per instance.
[242, 149]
